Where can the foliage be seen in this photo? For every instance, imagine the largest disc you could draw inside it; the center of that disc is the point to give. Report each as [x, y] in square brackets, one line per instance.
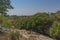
[40, 22]
[55, 29]
[4, 6]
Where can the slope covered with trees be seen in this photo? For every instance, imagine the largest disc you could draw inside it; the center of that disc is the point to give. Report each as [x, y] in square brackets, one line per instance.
[43, 23]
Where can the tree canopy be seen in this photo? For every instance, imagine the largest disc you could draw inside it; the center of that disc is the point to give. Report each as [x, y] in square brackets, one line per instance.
[4, 6]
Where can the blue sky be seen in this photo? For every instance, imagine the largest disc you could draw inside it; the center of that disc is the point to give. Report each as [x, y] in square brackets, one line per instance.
[29, 7]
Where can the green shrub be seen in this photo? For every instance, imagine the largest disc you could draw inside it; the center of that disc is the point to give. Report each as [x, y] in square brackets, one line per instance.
[55, 30]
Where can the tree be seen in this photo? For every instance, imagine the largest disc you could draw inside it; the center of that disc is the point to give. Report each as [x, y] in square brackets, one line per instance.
[4, 6]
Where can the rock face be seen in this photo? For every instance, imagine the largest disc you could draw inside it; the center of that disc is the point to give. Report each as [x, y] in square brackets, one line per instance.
[26, 35]
[42, 37]
[33, 36]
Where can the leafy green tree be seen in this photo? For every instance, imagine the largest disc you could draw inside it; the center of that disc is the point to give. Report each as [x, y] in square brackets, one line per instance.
[4, 6]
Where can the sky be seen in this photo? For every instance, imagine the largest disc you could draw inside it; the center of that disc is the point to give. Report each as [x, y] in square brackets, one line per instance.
[30, 7]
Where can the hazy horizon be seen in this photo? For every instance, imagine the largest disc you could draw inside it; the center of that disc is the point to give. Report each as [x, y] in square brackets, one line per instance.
[30, 7]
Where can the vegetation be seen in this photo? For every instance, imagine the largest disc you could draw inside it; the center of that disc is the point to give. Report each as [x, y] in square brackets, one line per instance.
[55, 30]
[4, 6]
[44, 23]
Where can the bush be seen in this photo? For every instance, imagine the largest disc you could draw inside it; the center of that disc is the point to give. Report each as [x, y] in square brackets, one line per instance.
[55, 30]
